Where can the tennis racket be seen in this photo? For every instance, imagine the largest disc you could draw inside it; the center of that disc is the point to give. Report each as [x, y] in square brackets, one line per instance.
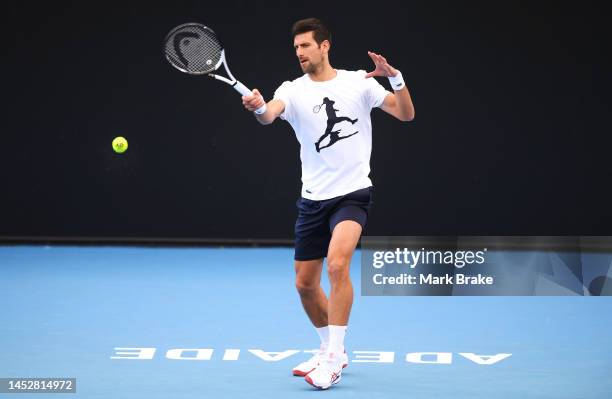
[195, 49]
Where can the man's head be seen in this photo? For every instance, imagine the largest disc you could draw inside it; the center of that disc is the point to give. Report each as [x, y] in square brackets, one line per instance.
[311, 40]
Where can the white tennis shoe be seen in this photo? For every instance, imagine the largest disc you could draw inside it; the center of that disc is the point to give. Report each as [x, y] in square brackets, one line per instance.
[328, 372]
[302, 369]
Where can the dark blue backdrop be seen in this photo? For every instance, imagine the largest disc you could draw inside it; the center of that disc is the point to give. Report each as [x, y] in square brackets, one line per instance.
[510, 136]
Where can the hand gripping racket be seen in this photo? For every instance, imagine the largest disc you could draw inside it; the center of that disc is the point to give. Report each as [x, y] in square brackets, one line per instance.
[195, 49]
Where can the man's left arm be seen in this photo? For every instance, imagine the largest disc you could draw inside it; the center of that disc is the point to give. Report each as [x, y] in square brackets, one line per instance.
[399, 103]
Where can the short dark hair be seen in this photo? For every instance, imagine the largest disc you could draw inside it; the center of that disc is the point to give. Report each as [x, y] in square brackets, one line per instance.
[314, 25]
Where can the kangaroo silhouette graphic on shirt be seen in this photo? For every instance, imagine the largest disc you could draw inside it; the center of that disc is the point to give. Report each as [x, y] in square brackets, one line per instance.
[332, 120]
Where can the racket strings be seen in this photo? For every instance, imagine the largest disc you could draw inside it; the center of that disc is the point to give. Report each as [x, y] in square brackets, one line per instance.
[193, 49]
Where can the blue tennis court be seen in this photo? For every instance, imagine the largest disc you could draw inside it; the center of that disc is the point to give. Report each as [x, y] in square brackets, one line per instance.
[228, 323]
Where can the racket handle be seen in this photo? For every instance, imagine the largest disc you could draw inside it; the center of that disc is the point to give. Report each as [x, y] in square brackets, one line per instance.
[242, 89]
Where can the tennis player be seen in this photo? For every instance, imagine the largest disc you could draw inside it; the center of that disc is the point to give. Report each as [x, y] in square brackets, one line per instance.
[329, 110]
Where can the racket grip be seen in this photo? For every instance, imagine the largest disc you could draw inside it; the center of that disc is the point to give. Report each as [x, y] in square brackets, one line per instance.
[242, 89]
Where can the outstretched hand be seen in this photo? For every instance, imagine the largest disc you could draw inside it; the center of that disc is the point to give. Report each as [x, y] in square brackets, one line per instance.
[382, 67]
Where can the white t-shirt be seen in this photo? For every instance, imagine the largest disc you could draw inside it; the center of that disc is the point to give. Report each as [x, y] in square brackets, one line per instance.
[331, 120]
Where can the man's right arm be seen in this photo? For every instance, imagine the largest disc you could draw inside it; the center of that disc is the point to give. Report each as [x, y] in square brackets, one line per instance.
[274, 107]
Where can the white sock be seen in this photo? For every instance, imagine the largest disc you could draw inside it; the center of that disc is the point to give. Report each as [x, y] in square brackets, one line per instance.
[336, 339]
[324, 335]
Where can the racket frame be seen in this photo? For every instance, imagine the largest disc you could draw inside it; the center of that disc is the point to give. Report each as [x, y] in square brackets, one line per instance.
[232, 81]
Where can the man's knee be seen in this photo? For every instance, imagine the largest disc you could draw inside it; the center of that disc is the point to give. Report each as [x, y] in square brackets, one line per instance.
[338, 267]
[308, 276]
[306, 287]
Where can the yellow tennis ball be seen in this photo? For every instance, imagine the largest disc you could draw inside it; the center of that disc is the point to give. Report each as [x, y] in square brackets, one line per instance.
[120, 144]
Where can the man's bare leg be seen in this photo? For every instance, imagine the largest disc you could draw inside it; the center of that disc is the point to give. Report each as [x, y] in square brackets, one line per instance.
[343, 242]
[336, 310]
[308, 284]
[341, 248]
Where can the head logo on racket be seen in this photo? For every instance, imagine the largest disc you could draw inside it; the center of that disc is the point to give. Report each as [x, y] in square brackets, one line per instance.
[182, 38]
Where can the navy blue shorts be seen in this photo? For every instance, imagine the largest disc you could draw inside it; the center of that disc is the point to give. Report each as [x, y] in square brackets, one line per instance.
[316, 221]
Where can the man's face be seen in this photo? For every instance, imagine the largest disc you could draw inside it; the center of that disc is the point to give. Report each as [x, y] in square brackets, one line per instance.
[309, 53]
